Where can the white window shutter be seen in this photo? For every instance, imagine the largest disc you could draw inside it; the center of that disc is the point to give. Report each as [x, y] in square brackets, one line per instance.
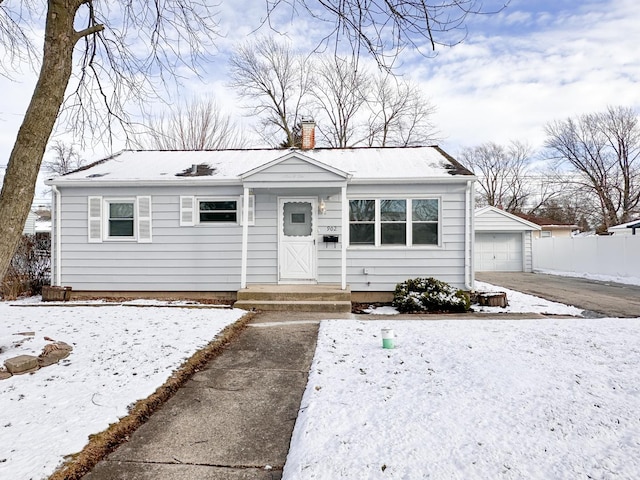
[144, 219]
[94, 210]
[252, 210]
[187, 211]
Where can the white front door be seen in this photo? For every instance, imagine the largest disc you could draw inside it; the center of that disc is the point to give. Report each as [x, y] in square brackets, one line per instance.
[297, 239]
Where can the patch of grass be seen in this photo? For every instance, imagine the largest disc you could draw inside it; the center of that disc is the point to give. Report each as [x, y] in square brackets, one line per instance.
[102, 444]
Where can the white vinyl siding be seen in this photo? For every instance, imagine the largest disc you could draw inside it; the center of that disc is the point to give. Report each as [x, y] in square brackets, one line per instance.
[205, 258]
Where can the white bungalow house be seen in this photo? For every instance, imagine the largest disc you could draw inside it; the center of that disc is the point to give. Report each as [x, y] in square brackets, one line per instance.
[215, 222]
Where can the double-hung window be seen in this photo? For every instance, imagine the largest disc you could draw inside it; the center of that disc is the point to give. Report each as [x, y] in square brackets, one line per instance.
[394, 222]
[362, 222]
[424, 221]
[119, 219]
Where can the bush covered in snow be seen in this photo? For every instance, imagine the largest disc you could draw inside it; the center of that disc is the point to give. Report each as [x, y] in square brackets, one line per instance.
[429, 294]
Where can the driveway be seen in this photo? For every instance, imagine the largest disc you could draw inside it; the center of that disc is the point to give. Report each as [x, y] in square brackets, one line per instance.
[598, 298]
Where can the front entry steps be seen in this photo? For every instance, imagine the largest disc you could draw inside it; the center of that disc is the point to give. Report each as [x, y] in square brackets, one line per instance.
[295, 298]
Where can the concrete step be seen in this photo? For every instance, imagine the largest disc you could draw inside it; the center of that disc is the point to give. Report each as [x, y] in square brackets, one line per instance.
[296, 305]
[286, 293]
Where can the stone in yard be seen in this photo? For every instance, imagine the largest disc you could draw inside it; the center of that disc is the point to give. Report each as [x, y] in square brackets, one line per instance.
[22, 364]
[53, 353]
[4, 374]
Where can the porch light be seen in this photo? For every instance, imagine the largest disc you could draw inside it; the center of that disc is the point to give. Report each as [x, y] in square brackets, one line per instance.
[322, 207]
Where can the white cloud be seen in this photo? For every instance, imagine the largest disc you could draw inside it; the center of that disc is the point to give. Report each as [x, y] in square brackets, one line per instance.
[517, 70]
[504, 86]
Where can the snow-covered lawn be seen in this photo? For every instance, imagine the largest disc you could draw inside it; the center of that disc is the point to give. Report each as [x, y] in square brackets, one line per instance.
[471, 399]
[518, 303]
[120, 354]
[524, 303]
[593, 276]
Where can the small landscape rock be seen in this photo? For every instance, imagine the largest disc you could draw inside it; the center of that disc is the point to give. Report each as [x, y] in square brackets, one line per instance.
[22, 364]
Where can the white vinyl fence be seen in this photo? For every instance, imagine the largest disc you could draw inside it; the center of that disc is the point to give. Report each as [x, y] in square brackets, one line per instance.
[608, 256]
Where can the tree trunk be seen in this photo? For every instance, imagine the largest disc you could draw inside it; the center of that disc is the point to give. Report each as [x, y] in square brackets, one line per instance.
[24, 163]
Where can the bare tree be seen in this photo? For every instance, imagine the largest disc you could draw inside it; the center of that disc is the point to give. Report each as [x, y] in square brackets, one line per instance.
[383, 28]
[603, 150]
[501, 173]
[400, 113]
[111, 70]
[275, 81]
[339, 93]
[198, 124]
[66, 158]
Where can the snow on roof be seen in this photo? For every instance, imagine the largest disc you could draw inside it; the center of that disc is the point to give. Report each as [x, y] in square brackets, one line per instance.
[362, 163]
[622, 226]
[545, 221]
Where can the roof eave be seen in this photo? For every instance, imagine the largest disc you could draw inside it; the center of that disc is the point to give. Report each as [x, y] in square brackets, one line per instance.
[198, 181]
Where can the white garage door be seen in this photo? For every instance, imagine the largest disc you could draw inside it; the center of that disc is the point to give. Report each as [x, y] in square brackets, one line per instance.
[498, 252]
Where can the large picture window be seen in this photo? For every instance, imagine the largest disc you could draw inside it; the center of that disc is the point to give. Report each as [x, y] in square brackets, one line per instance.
[394, 222]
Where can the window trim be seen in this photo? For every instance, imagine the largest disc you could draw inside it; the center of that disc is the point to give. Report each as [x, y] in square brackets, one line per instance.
[98, 219]
[189, 210]
[238, 210]
[408, 222]
[107, 216]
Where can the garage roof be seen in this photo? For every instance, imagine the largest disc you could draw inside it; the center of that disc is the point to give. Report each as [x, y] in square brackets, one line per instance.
[492, 219]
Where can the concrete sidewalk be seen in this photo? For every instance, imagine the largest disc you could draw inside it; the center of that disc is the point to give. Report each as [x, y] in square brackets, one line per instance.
[232, 420]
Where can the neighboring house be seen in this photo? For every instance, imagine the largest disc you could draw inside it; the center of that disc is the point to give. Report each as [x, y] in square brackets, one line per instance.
[503, 241]
[217, 221]
[629, 228]
[549, 227]
[30, 224]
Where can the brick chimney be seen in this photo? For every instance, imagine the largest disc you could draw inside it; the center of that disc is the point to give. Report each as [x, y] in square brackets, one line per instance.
[308, 134]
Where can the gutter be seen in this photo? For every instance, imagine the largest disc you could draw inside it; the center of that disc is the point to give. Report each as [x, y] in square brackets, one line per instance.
[92, 182]
[58, 234]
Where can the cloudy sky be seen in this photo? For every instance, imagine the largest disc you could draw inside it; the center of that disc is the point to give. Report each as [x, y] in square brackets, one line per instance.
[534, 62]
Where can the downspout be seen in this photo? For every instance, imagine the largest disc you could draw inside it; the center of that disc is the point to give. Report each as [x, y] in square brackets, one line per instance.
[57, 281]
[345, 236]
[245, 237]
[468, 232]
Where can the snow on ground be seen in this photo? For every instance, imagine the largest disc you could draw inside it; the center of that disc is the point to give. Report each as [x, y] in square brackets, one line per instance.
[523, 303]
[594, 276]
[470, 399]
[120, 355]
[518, 303]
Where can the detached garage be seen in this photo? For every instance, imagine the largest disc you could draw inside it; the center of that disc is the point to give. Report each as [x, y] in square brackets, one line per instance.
[502, 241]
